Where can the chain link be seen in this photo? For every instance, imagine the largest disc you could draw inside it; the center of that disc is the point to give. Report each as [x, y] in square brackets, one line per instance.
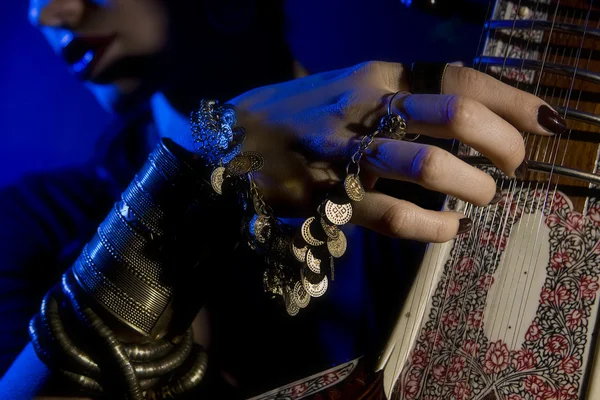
[257, 196]
[365, 142]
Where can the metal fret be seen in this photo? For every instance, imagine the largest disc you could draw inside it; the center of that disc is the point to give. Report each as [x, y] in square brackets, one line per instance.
[538, 166]
[577, 115]
[559, 69]
[537, 25]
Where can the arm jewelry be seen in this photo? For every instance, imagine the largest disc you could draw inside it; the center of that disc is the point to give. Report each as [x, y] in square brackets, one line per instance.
[141, 273]
[138, 270]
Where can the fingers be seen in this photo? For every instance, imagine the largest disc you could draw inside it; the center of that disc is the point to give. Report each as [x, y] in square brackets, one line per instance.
[524, 110]
[430, 167]
[401, 219]
[465, 119]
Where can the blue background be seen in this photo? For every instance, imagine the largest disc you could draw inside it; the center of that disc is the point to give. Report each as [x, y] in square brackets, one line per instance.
[49, 119]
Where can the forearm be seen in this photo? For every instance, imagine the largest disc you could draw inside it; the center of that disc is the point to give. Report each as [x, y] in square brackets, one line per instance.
[140, 279]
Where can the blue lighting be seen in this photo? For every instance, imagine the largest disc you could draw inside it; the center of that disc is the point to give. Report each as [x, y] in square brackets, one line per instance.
[84, 62]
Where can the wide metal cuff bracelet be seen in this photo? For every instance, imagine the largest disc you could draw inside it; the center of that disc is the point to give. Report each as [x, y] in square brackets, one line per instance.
[123, 267]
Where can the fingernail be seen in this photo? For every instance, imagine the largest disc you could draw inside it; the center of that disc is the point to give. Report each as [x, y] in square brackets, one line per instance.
[551, 120]
[464, 225]
[497, 197]
[522, 171]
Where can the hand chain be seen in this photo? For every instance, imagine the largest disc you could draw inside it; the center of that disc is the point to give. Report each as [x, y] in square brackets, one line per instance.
[258, 198]
[365, 142]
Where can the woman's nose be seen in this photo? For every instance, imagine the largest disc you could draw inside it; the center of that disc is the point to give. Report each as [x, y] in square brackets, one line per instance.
[55, 13]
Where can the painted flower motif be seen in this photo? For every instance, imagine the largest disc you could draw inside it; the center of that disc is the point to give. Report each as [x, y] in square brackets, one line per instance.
[301, 389]
[485, 282]
[567, 392]
[588, 286]
[450, 319]
[558, 203]
[434, 339]
[498, 242]
[568, 300]
[523, 359]
[454, 288]
[560, 260]
[553, 220]
[475, 319]
[462, 391]
[594, 213]
[575, 222]
[570, 365]
[533, 332]
[419, 359]
[546, 296]
[536, 386]
[496, 358]
[465, 265]
[411, 388]
[562, 295]
[575, 318]
[511, 205]
[457, 366]
[330, 378]
[471, 347]
[439, 372]
[557, 345]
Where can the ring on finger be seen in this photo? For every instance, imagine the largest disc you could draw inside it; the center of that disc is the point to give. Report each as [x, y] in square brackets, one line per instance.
[393, 126]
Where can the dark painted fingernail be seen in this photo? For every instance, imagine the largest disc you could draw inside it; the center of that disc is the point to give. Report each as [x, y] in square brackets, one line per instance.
[551, 120]
[497, 197]
[464, 225]
[522, 171]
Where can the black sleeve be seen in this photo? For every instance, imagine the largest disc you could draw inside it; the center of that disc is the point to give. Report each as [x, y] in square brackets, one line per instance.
[44, 222]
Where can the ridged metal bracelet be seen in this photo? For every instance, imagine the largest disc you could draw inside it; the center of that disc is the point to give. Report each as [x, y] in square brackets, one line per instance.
[122, 269]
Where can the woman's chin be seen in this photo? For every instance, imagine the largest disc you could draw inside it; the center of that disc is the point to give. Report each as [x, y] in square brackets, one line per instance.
[116, 97]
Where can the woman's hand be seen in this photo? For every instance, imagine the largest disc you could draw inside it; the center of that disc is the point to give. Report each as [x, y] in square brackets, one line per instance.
[308, 129]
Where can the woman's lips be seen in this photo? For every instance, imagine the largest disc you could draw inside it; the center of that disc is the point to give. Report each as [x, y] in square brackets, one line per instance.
[84, 53]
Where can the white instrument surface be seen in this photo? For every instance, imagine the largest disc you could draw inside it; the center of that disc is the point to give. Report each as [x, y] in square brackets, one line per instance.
[507, 311]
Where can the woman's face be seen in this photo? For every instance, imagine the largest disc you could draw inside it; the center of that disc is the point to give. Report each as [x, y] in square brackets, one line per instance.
[112, 45]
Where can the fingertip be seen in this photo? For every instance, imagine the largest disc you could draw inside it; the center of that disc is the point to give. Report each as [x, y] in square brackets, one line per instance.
[485, 190]
[551, 121]
[464, 225]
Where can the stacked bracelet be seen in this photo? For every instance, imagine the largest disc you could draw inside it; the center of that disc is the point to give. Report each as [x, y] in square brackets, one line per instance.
[126, 270]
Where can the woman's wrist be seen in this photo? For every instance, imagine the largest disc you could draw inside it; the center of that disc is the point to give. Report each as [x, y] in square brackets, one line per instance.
[126, 267]
[136, 286]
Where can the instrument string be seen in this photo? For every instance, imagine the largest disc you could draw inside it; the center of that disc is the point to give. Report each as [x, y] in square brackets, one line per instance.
[424, 297]
[474, 252]
[525, 267]
[512, 189]
[515, 187]
[447, 277]
[481, 218]
[502, 226]
[567, 100]
[487, 282]
[502, 333]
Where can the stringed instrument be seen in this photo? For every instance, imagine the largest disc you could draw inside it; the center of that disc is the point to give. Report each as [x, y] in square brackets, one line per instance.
[509, 311]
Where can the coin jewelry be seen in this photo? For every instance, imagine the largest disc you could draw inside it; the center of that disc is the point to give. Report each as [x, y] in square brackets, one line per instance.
[299, 265]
